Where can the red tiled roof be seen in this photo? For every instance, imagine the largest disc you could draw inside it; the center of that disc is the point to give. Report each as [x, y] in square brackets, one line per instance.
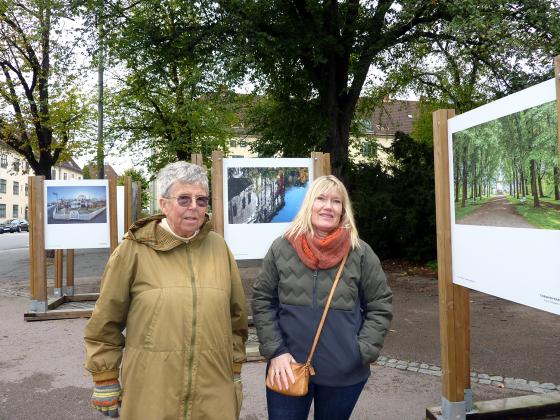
[393, 116]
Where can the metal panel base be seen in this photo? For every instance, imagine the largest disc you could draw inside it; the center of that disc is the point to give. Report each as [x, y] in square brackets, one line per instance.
[39, 306]
[456, 410]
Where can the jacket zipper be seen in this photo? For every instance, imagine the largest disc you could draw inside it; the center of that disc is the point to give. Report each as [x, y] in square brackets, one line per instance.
[315, 275]
[193, 334]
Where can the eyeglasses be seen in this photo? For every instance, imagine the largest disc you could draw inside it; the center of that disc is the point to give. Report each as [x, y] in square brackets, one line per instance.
[186, 200]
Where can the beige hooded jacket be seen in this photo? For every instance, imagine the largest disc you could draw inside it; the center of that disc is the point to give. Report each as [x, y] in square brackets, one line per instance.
[183, 308]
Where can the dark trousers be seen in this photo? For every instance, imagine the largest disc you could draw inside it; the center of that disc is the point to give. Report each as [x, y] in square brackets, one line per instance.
[330, 403]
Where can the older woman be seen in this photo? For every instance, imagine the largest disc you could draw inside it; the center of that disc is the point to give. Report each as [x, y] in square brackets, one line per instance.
[175, 287]
[289, 296]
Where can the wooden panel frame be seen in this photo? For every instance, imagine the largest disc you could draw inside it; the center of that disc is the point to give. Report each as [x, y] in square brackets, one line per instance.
[113, 224]
[218, 191]
[557, 78]
[128, 201]
[41, 307]
[37, 256]
[453, 299]
[197, 159]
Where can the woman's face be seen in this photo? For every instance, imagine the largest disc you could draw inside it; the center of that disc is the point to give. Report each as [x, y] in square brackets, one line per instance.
[185, 221]
[326, 213]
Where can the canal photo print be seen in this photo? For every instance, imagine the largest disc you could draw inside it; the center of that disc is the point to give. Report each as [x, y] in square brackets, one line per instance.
[76, 214]
[261, 198]
[265, 195]
[504, 197]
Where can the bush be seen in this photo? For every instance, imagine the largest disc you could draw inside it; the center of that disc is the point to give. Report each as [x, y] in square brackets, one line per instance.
[395, 206]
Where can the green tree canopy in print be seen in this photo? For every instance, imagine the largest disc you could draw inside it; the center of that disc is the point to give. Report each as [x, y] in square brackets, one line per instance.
[509, 164]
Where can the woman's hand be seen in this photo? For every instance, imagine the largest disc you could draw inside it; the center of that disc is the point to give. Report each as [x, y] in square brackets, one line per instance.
[280, 370]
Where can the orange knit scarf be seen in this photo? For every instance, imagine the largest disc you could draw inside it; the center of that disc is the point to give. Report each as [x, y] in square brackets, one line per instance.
[323, 253]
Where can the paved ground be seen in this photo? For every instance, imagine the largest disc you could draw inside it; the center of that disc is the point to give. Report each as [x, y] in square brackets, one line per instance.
[496, 212]
[41, 374]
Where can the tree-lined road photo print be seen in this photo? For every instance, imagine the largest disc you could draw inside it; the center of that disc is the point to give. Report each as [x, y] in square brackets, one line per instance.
[506, 171]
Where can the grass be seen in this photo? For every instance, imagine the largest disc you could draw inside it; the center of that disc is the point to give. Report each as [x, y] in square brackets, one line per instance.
[542, 218]
[470, 206]
[550, 200]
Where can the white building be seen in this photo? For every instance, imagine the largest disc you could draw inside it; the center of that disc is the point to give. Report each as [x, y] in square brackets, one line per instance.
[14, 188]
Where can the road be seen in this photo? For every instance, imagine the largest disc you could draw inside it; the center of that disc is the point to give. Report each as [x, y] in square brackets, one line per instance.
[41, 363]
[14, 265]
[11, 241]
[496, 212]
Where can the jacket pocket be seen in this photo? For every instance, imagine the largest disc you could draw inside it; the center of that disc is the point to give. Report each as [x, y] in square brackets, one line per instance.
[149, 338]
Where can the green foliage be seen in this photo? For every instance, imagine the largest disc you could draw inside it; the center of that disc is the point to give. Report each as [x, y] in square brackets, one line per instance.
[304, 133]
[137, 176]
[42, 111]
[174, 98]
[86, 173]
[395, 209]
[545, 217]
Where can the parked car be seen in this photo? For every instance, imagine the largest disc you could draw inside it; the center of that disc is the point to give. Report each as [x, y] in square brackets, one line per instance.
[14, 225]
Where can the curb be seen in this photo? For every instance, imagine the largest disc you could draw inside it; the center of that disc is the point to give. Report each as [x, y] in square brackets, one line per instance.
[253, 355]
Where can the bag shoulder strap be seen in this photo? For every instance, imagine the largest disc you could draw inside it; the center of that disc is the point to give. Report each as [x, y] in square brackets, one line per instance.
[326, 310]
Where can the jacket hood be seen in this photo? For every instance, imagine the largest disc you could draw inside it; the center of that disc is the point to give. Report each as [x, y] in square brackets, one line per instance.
[147, 231]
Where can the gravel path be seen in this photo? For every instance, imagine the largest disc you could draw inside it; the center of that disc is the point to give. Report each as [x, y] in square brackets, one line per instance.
[497, 212]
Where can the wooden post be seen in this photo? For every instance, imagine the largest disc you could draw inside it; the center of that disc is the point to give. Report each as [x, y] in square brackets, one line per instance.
[557, 78]
[58, 271]
[37, 257]
[196, 158]
[113, 225]
[453, 299]
[69, 272]
[327, 163]
[138, 195]
[218, 191]
[318, 164]
[128, 199]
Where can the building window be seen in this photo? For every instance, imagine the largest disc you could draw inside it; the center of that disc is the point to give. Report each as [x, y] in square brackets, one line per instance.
[15, 210]
[65, 176]
[15, 166]
[25, 169]
[53, 174]
[2, 210]
[26, 190]
[3, 186]
[232, 143]
[72, 176]
[4, 160]
[369, 149]
[242, 143]
[16, 188]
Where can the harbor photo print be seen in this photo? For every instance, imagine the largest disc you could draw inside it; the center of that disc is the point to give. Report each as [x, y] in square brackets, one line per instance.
[265, 195]
[506, 171]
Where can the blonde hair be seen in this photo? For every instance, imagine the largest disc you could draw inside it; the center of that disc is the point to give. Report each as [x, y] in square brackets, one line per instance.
[324, 185]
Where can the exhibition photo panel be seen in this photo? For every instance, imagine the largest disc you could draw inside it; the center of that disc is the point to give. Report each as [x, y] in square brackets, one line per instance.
[504, 198]
[262, 197]
[76, 214]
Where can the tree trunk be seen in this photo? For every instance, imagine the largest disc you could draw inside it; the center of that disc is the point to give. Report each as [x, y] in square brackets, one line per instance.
[534, 191]
[556, 183]
[465, 175]
[457, 174]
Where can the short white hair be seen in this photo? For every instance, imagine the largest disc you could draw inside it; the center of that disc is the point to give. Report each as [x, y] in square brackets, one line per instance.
[182, 172]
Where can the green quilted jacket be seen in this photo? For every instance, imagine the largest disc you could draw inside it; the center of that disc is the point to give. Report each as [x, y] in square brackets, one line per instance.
[288, 301]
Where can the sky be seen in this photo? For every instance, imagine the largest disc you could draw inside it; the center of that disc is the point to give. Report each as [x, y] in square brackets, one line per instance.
[67, 193]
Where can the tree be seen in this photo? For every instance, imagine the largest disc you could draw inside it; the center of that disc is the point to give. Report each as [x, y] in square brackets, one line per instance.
[41, 106]
[321, 52]
[494, 50]
[172, 97]
[138, 176]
